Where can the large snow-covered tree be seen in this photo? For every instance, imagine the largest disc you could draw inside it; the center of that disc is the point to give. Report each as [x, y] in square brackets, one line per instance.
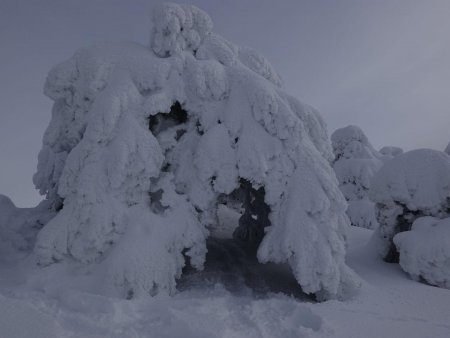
[411, 185]
[144, 143]
[355, 163]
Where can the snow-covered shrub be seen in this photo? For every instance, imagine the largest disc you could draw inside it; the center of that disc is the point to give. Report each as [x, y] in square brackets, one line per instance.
[19, 226]
[411, 185]
[145, 143]
[425, 250]
[356, 161]
[390, 152]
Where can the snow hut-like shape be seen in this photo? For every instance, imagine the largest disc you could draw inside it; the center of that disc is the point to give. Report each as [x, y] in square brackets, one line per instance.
[145, 141]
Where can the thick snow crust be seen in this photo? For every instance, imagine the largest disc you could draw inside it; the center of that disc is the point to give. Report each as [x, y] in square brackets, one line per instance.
[143, 142]
[425, 250]
[356, 161]
[411, 185]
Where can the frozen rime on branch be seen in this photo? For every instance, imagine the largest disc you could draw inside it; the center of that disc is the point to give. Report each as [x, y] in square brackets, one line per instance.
[356, 161]
[143, 142]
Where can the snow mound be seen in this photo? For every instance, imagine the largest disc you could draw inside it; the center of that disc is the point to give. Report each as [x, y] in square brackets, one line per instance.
[144, 144]
[411, 185]
[356, 162]
[425, 250]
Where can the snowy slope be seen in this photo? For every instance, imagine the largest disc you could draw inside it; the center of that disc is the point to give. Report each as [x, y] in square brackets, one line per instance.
[390, 305]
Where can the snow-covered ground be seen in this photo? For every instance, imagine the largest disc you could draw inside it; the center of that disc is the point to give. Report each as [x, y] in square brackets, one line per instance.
[390, 305]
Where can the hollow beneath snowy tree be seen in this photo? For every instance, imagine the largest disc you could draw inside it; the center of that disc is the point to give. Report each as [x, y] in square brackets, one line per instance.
[234, 266]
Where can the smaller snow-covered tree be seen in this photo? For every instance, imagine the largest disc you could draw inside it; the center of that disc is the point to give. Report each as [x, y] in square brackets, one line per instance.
[356, 161]
[411, 185]
[19, 226]
[425, 250]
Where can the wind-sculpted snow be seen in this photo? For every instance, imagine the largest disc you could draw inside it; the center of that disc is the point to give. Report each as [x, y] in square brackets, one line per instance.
[356, 162]
[413, 184]
[143, 143]
[425, 250]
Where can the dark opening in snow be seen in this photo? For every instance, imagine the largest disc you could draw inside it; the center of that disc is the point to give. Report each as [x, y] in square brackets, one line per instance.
[162, 121]
[255, 217]
[404, 223]
[232, 262]
[235, 267]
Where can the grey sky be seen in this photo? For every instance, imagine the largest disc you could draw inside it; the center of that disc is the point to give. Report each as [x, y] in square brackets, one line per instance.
[382, 64]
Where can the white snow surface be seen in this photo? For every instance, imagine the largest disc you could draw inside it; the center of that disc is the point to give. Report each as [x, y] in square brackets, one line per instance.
[425, 250]
[390, 305]
[413, 184]
[355, 163]
[100, 158]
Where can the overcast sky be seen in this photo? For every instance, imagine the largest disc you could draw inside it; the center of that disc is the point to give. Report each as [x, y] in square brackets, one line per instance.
[382, 64]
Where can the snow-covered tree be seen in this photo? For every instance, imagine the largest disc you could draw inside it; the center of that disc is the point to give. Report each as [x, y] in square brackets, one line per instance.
[355, 163]
[411, 185]
[144, 143]
[425, 250]
[447, 149]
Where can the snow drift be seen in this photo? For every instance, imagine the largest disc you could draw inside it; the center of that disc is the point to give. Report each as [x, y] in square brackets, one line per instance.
[145, 143]
[356, 161]
[411, 185]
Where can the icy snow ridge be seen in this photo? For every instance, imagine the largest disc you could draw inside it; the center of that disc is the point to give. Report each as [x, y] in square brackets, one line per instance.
[143, 142]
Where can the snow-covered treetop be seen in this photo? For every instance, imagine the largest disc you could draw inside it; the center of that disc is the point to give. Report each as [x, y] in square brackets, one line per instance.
[179, 28]
[143, 141]
[351, 142]
[418, 179]
[356, 161]
[447, 149]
